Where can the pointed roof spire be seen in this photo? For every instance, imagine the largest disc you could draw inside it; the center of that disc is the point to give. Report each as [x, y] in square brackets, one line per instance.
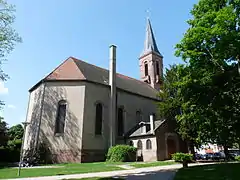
[150, 44]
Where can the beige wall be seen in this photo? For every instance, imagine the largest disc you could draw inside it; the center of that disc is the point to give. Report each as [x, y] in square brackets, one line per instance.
[81, 100]
[131, 103]
[95, 93]
[148, 154]
[74, 94]
[33, 116]
[69, 143]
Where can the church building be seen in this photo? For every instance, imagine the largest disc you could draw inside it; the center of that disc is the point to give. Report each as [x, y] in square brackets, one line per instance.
[79, 110]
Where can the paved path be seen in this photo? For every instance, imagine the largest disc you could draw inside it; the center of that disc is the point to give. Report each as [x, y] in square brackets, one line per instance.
[158, 173]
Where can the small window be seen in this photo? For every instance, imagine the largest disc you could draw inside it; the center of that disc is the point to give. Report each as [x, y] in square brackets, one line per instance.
[148, 144]
[98, 119]
[146, 69]
[131, 143]
[61, 115]
[139, 145]
[157, 68]
[120, 114]
[138, 117]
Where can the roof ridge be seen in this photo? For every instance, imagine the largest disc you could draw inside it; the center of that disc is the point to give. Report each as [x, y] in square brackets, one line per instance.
[75, 59]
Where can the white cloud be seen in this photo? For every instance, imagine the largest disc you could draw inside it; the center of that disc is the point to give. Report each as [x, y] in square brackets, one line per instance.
[3, 90]
[11, 106]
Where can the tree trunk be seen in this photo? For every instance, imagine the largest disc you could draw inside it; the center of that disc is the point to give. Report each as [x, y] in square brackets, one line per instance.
[226, 152]
[185, 164]
[191, 149]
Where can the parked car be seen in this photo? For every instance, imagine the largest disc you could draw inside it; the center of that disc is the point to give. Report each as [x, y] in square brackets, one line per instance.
[218, 156]
[208, 156]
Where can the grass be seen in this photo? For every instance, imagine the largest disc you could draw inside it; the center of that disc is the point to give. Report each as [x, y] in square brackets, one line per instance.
[224, 171]
[98, 178]
[151, 164]
[65, 169]
[75, 168]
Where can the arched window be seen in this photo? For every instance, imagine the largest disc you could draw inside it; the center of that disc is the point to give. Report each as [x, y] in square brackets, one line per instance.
[61, 115]
[148, 144]
[157, 68]
[98, 119]
[120, 122]
[146, 68]
[131, 143]
[138, 117]
[139, 144]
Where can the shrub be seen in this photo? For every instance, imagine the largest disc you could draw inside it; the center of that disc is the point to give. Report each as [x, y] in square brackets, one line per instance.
[237, 158]
[121, 153]
[184, 158]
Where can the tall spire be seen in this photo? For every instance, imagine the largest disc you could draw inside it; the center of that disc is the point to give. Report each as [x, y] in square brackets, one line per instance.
[150, 44]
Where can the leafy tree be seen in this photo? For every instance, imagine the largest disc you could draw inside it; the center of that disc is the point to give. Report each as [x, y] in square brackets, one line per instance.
[15, 132]
[8, 36]
[3, 133]
[171, 105]
[210, 91]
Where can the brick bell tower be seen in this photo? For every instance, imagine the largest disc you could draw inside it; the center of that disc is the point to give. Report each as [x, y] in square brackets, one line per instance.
[151, 60]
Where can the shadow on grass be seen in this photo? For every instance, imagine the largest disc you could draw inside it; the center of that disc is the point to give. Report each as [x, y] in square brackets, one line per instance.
[155, 175]
[210, 172]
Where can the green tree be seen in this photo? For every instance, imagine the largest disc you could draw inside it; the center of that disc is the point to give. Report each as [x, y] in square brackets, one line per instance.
[8, 36]
[3, 133]
[171, 105]
[210, 91]
[15, 132]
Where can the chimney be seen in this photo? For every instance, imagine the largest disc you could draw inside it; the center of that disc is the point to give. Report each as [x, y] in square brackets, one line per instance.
[112, 83]
[152, 123]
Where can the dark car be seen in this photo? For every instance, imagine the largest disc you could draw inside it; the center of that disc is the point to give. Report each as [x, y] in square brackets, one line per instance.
[217, 156]
[208, 156]
[198, 156]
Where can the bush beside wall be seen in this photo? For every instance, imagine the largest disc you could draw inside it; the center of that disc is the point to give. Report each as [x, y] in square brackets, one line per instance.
[121, 153]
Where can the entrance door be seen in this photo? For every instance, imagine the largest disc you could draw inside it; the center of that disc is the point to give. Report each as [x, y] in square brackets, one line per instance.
[171, 147]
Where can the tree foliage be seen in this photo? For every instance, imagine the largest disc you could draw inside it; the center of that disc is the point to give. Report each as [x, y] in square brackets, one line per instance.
[8, 36]
[15, 132]
[3, 132]
[208, 85]
[211, 48]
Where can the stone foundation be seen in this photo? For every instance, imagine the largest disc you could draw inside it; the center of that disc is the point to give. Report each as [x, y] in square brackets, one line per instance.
[93, 155]
[64, 156]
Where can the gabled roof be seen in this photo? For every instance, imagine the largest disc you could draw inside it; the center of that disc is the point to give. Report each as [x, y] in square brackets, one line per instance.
[150, 44]
[74, 69]
[136, 130]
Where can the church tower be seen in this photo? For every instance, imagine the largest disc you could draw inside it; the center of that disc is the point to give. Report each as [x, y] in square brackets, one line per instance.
[151, 60]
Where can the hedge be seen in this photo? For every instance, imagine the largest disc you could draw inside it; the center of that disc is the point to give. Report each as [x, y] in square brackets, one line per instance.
[121, 153]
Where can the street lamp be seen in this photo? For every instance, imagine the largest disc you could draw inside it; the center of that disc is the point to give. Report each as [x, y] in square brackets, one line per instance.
[25, 124]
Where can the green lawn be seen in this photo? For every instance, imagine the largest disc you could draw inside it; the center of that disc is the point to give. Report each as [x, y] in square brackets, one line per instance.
[66, 169]
[76, 168]
[98, 178]
[226, 171]
[151, 164]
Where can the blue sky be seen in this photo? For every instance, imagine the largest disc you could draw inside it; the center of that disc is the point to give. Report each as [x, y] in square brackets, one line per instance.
[53, 30]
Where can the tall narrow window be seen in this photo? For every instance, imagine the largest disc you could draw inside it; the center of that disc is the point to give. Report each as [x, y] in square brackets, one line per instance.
[138, 117]
[98, 119]
[120, 122]
[148, 144]
[139, 145]
[146, 69]
[157, 68]
[61, 115]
